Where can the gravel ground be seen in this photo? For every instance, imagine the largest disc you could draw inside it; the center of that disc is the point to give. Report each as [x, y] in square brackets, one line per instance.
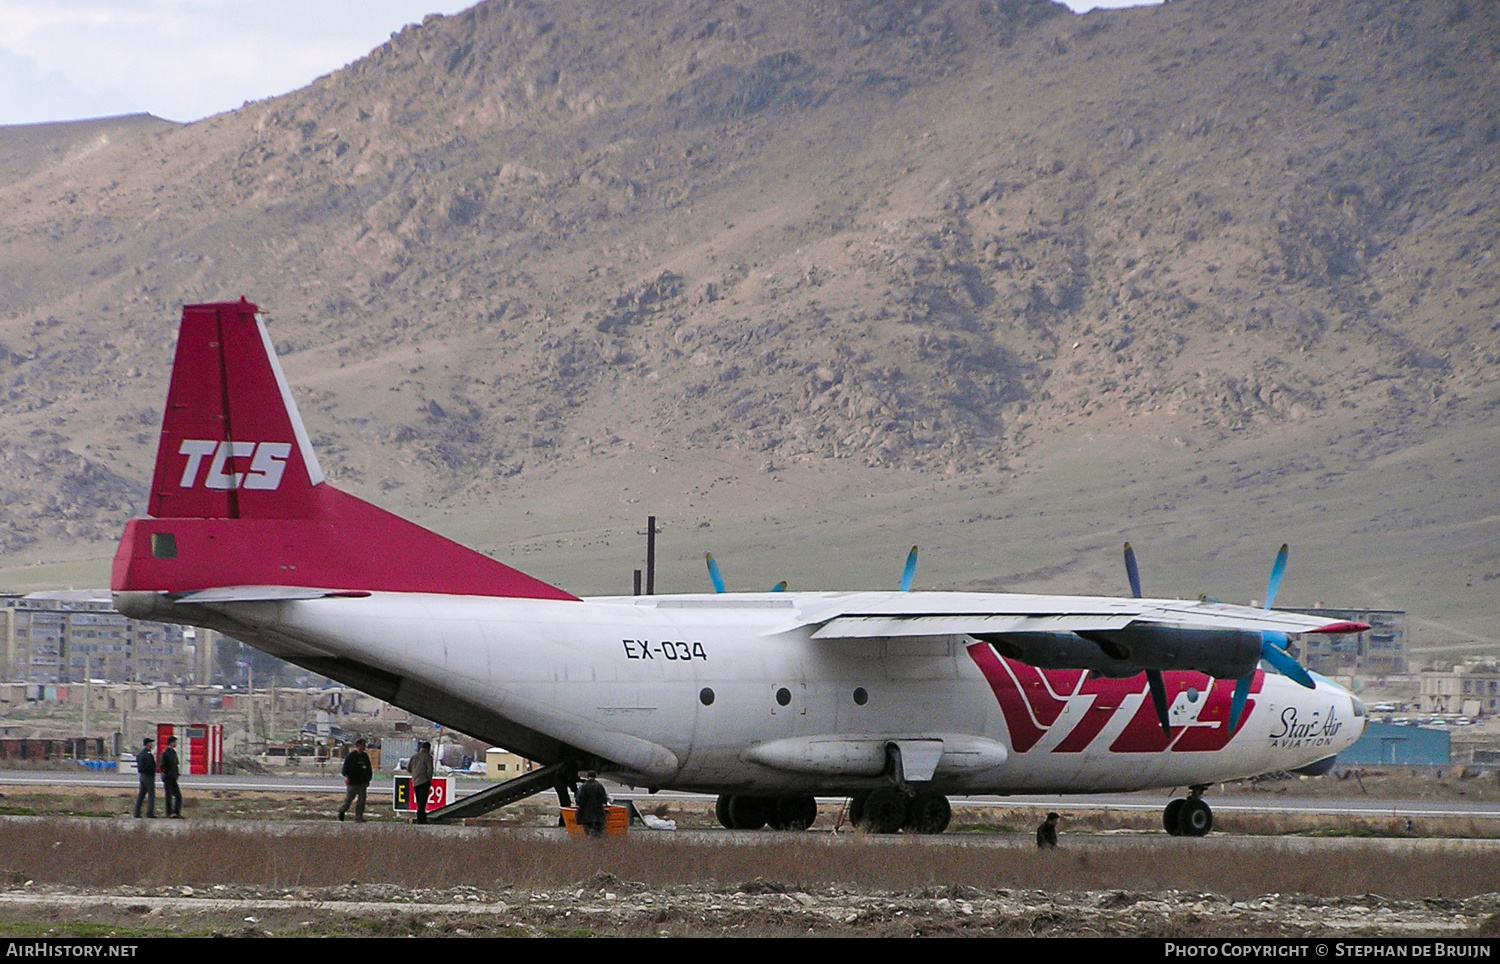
[526, 887]
[605, 906]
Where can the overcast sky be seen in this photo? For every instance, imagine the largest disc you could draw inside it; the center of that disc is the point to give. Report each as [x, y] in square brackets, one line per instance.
[187, 59]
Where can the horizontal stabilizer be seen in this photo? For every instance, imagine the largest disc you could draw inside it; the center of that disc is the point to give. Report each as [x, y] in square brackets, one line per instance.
[238, 594]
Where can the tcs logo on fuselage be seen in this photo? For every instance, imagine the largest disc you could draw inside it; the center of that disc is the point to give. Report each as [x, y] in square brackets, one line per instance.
[267, 463]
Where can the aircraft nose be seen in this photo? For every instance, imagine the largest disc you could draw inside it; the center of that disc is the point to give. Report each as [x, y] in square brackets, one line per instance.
[1357, 717]
[1357, 706]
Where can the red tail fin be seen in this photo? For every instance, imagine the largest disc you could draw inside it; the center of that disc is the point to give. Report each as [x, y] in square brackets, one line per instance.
[232, 443]
[238, 498]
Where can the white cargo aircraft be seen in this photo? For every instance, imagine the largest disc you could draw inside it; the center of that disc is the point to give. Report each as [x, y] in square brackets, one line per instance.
[894, 699]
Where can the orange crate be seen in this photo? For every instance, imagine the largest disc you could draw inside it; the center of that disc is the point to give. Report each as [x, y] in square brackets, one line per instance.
[616, 820]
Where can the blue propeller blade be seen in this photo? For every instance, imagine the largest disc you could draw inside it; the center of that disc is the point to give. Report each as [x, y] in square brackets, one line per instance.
[1272, 648]
[1278, 569]
[1154, 679]
[1159, 698]
[713, 572]
[1284, 662]
[910, 571]
[1273, 644]
[1132, 571]
[718, 577]
[1237, 705]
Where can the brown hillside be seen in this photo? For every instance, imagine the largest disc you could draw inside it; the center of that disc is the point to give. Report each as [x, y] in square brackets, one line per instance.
[1209, 276]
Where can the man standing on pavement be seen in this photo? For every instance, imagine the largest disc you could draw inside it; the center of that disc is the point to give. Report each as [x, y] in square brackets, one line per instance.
[420, 768]
[592, 799]
[169, 769]
[1046, 833]
[357, 774]
[145, 766]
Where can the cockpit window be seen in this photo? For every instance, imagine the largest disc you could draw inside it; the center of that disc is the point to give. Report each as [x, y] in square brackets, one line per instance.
[1359, 705]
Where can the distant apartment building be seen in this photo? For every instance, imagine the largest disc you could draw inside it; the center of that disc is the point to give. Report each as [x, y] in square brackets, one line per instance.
[70, 636]
[1471, 690]
[1379, 651]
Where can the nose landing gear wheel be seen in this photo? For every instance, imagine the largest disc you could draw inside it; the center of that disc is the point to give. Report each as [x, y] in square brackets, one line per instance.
[1195, 819]
[1171, 817]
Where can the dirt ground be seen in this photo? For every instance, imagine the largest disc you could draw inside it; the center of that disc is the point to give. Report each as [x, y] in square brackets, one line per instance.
[604, 906]
[274, 864]
[1427, 785]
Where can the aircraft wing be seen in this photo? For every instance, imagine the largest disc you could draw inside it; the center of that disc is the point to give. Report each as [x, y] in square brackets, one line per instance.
[1116, 636]
[883, 615]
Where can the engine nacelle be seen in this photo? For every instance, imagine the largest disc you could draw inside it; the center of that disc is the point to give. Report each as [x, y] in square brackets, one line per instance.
[1221, 653]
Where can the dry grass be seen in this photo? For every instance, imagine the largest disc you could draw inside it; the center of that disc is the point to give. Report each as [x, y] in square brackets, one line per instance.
[40, 801]
[1287, 823]
[112, 854]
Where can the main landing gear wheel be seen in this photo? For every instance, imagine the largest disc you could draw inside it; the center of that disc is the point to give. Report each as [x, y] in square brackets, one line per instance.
[738, 812]
[928, 813]
[1171, 816]
[750, 813]
[794, 813]
[884, 811]
[1196, 818]
[857, 808]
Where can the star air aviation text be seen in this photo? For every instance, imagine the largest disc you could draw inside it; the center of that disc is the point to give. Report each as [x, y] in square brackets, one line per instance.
[1292, 732]
[267, 463]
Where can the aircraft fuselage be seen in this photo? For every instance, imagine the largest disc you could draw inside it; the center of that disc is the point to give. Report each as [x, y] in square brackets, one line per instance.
[731, 693]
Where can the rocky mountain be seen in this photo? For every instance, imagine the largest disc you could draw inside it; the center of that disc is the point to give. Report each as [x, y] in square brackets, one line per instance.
[852, 247]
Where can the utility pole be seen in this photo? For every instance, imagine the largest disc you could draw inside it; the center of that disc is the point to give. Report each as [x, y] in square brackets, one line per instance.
[650, 555]
[249, 710]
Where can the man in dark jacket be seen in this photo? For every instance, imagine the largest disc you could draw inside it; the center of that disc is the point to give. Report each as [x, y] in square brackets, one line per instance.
[357, 774]
[169, 779]
[1046, 833]
[592, 799]
[145, 767]
[420, 768]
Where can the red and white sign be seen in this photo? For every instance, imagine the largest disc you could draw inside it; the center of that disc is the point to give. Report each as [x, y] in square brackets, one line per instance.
[440, 794]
